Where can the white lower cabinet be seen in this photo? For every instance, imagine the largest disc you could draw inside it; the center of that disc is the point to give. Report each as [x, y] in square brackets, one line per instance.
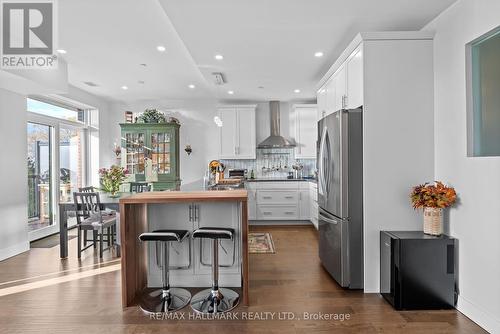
[217, 215]
[304, 205]
[313, 199]
[277, 212]
[281, 200]
[252, 200]
[190, 261]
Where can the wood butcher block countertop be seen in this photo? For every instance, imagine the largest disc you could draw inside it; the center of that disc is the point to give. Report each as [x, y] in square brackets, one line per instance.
[237, 195]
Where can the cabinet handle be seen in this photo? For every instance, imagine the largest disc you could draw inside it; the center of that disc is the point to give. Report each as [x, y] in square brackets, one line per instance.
[196, 215]
[288, 197]
[235, 152]
[190, 213]
[289, 213]
[267, 213]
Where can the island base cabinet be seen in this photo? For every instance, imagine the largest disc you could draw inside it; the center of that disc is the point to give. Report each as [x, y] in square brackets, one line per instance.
[190, 261]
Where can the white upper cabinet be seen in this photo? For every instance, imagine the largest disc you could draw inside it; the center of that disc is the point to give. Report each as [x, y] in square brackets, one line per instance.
[355, 79]
[246, 134]
[321, 100]
[306, 130]
[344, 89]
[340, 89]
[237, 133]
[228, 132]
[330, 96]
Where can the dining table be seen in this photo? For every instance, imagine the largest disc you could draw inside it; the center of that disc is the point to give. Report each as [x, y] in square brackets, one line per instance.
[107, 202]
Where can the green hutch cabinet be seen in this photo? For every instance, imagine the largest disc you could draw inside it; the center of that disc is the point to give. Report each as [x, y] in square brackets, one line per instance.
[158, 142]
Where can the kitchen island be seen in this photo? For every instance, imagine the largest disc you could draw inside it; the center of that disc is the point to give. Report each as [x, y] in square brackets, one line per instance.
[188, 208]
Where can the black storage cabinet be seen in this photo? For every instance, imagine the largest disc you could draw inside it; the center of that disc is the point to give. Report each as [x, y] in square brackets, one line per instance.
[417, 271]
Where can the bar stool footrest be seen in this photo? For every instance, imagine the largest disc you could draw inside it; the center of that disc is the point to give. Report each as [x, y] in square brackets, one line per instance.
[211, 301]
[153, 301]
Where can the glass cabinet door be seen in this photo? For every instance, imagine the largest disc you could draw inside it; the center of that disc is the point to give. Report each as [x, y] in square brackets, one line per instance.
[161, 149]
[135, 152]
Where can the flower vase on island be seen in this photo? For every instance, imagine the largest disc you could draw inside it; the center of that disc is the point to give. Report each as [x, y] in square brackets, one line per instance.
[112, 179]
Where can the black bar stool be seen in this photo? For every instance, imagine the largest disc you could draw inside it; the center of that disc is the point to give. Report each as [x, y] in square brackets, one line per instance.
[214, 299]
[166, 299]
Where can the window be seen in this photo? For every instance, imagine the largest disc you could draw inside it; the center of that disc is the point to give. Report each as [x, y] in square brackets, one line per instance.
[483, 86]
[63, 156]
[56, 111]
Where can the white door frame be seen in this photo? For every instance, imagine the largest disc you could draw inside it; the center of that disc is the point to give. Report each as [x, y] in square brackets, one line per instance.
[56, 124]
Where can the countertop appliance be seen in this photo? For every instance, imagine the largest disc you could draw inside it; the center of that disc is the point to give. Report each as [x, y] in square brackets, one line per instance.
[238, 173]
[340, 196]
[417, 271]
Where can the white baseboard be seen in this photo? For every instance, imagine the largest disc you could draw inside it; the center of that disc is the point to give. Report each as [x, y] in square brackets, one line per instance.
[477, 314]
[22, 247]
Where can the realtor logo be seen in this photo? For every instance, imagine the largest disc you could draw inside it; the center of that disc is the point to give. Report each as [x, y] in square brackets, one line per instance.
[28, 35]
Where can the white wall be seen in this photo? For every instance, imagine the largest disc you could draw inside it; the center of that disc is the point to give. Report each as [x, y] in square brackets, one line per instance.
[475, 222]
[13, 168]
[102, 153]
[398, 140]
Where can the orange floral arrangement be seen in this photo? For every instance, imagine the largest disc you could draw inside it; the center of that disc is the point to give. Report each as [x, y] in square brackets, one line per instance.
[435, 195]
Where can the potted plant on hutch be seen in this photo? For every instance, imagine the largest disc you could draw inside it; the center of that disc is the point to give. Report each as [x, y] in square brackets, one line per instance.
[433, 198]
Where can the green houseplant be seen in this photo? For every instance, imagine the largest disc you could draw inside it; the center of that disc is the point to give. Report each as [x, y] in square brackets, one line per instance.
[112, 178]
[433, 198]
[151, 116]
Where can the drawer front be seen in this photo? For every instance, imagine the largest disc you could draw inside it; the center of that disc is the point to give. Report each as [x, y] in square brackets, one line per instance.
[303, 184]
[278, 185]
[277, 212]
[277, 197]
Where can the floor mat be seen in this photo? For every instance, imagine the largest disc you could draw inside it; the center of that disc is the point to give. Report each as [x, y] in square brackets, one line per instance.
[260, 243]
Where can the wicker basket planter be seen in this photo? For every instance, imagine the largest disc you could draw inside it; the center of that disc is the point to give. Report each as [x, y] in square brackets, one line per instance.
[433, 221]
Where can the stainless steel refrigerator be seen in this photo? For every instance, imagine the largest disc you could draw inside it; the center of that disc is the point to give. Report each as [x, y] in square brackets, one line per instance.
[340, 196]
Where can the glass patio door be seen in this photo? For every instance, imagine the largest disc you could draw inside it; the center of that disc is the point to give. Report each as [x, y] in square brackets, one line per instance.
[40, 180]
[71, 158]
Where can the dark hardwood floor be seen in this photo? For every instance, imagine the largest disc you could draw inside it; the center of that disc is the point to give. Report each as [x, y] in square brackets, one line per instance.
[41, 294]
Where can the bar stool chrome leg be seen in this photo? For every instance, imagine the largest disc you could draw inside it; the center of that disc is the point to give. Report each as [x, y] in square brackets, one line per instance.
[166, 299]
[215, 299]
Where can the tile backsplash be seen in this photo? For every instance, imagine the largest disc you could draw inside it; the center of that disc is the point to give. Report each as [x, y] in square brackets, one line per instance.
[273, 163]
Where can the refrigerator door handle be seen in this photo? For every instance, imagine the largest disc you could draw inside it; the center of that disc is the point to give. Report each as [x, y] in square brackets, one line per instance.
[329, 218]
[321, 167]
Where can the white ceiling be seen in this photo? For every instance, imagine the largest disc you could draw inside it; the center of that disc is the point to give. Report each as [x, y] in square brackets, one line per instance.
[264, 43]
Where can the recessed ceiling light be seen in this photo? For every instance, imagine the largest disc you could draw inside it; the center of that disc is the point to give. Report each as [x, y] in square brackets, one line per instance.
[161, 48]
[124, 87]
[141, 82]
[192, 86]
[61, 51]
[318, 54]
[260, 87]
[143, 64]
[219, 57]
[296, 91]
[230, 92]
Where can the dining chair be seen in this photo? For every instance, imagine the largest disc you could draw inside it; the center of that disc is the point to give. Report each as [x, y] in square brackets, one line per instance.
[139, 187]
[90, 189]
[90, 216]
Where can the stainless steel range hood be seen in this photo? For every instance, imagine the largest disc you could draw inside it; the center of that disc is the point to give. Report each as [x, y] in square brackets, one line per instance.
[275, 140]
